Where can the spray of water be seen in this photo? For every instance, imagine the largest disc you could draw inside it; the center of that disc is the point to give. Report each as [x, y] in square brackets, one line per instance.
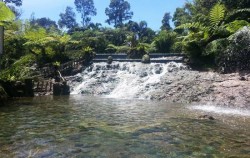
[222, 110]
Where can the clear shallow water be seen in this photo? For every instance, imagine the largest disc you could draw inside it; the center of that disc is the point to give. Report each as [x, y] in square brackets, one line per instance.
[81, 126]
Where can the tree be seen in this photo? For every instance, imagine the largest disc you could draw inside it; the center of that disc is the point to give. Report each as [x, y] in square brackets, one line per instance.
[164, 41]
[16, 11]
[67, 19]
[95, 26]
[6, 14]
[140, 30]
[181, 16]
[118, 12]
[45, 23]
[165, 22]
[15, 2]
[203, 34]
[86, 8]
[232, 4]
[12, 4]
[115, 36]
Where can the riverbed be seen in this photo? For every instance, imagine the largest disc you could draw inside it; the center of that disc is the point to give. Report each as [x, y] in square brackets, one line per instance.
[94, 126]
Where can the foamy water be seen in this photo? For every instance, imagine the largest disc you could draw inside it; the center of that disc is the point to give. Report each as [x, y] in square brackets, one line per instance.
[222, 110]
[124, 80]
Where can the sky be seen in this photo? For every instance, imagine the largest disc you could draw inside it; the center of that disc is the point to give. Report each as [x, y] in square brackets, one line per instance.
[152, 11]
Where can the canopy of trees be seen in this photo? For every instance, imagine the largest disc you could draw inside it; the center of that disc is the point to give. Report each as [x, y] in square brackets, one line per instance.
[200, 30]
[6, 14]
[87, 9]
[118, 12]
[67, 19]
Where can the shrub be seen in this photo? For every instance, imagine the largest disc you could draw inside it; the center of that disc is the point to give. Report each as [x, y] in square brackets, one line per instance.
[164, 41]
[21, 69]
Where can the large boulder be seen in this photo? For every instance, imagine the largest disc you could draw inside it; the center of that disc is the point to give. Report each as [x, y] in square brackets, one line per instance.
[61, 88]
[110, 60]
[236, 55]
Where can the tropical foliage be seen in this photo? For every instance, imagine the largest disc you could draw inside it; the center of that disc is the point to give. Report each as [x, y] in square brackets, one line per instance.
[201, 34]
[118, 12]
[87, 9]
[202, 29]
[6, 14]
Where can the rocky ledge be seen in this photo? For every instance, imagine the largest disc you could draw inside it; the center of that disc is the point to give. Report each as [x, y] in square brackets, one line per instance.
[188, 86]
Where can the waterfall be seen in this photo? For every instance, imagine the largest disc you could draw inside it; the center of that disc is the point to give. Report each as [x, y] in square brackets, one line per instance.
[125, 80]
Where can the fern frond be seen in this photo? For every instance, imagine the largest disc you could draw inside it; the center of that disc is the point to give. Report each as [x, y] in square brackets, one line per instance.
[247, 10]
[191, 26]
[237, 13]
[217, 14]
[234, 26]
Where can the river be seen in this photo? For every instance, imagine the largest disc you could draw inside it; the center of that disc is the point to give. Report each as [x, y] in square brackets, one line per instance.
[95, 126]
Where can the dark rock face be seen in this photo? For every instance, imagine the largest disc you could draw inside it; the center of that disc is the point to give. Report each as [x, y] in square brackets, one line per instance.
[61, 89]
[18, 88]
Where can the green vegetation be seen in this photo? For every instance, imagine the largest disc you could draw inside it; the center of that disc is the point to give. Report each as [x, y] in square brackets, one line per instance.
[87, 9]
[203, 31]
[206, 29]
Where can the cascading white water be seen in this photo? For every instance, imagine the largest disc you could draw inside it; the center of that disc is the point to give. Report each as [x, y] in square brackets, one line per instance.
[122, 79]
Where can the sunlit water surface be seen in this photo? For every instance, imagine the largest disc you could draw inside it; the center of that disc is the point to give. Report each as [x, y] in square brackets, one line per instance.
[81, 126]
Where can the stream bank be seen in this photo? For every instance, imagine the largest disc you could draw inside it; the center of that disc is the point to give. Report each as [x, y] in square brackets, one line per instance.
[187, 86]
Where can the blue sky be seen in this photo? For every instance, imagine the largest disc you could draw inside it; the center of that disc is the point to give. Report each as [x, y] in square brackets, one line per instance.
[151, 11]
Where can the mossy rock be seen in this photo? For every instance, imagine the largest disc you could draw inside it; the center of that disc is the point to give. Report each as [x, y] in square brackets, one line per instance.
[110, 60]
[145, 59]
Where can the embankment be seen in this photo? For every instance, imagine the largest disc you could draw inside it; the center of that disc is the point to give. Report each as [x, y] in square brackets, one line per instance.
[205, 88]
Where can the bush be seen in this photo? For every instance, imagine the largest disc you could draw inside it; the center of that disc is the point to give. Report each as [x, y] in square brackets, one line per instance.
[137, 52]
[21, 69]
[164, 41]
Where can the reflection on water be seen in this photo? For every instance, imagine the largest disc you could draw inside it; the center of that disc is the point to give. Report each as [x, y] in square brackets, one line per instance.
[80, 126]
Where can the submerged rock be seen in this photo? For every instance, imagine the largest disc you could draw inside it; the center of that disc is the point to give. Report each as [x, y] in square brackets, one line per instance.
[206, 117]
[61, 89]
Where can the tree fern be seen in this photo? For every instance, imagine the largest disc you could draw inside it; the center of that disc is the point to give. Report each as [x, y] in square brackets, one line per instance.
[234, 26]
[238, 13]
[217, 14]
[6, 14]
